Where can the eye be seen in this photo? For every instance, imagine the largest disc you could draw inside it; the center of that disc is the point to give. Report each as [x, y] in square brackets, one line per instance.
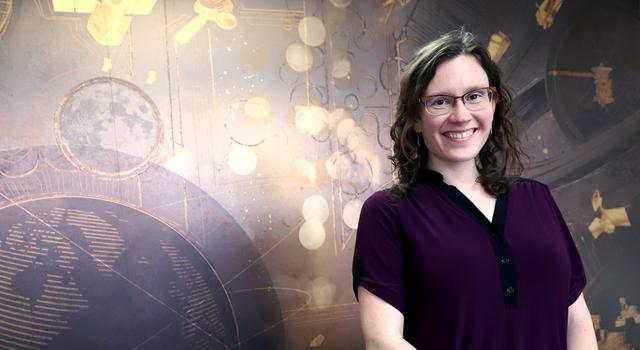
[438, 102]
[475, 96]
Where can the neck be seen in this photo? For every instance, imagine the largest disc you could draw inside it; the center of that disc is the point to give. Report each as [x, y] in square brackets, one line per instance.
[463, 175]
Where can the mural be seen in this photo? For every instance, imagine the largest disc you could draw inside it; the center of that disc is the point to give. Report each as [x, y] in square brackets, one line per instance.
[189, 174]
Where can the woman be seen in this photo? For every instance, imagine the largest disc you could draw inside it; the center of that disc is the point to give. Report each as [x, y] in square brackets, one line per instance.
[461, 253]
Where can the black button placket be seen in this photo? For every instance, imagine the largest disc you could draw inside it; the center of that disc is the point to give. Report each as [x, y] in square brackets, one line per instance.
[495, 233]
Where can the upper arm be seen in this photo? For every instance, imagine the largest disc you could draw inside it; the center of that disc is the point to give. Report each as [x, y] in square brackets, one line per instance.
[378, 318]
[579, 311]
[378, 274]
[577, 278]
[580, 332]
[378, 261]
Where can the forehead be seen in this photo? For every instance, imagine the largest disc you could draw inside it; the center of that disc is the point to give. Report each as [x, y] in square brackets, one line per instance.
[457, 76]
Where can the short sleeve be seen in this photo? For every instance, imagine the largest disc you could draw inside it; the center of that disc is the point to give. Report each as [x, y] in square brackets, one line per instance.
[578, 279]
[378, 262]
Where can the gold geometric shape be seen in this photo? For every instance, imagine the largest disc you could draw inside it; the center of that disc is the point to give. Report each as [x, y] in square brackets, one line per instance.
[604, 92]
[613, 341]
[616, 216]
[63, 5]
[109, 22]
[498, 45]
[106, 65]
[609, 218]
[317, 341]
[596, 200]
[601, 80]
[151, 77]
[190, 29]
[217, 11]
[596, 228]
[547, 12]
[627, 312]
[596, 321]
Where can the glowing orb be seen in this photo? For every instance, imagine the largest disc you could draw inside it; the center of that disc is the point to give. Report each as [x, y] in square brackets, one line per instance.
[257, 109]
[338, 115]
[344, 129]
[322, 292]
[349, 168]
[242, 160]
[312, 31]
[315, 208]
[351, 213]
[311, 119]
[356, 137]
[340, 66]
[304, 168]
[299, 57]
[312, 234]
[181, 160]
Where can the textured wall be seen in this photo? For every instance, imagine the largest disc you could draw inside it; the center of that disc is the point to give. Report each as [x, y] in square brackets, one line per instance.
[189, 175]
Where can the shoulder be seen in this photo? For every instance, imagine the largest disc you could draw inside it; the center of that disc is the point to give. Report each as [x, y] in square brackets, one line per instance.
[380, 203]
[379, 199]
[524, 183]
[525, 188]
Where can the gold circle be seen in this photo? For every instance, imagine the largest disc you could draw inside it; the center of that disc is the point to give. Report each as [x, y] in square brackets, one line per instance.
[63, 143]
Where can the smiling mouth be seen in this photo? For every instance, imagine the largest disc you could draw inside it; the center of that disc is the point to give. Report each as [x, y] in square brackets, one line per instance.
[459, 135]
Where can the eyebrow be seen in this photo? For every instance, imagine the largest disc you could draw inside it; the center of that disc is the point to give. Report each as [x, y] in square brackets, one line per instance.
[466, 91]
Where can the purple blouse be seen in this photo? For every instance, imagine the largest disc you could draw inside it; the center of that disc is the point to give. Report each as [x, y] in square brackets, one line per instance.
[463, 282]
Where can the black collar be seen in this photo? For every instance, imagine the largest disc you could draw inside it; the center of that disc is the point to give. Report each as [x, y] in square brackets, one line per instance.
[428, 175]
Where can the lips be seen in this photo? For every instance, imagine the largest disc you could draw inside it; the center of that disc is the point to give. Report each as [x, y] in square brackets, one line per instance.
[459, 135]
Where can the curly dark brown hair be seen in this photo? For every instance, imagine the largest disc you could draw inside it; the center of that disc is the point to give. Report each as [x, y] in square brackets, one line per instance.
[500, 159]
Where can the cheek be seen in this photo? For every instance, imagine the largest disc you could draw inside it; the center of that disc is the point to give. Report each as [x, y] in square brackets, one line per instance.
[430, 137]
[486, 119]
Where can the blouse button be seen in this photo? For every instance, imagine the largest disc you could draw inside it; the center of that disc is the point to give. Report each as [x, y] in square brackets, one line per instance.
[505, 260]
[511, 290]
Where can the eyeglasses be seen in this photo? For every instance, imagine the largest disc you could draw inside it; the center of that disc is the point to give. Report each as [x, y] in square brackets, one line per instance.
[473, 100]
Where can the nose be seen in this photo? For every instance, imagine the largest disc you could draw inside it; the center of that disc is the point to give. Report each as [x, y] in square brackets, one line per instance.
[459, 112]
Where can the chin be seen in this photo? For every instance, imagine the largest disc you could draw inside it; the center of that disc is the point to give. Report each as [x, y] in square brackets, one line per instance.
[458, 158]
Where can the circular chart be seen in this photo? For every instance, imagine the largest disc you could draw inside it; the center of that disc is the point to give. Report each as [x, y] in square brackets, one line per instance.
[590, 85]
[76, 271]
[108, 126]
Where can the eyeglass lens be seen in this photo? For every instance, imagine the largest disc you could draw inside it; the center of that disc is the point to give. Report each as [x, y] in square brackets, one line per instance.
[472, 100]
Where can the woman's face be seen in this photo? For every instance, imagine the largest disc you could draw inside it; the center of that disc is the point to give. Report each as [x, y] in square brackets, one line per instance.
[457, 136]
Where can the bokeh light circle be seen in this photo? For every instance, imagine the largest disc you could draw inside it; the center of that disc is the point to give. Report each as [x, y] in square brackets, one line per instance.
[322, 292]
[351, 213]
[304, 168]
[242, 160]
[312, 31]
[315, 208]
[299, 57]
[312, 234]
[311, 119]
[258, 109]
[344, 129]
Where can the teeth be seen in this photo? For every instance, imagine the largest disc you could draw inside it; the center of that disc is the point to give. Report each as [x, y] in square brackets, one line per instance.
[459, 135]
